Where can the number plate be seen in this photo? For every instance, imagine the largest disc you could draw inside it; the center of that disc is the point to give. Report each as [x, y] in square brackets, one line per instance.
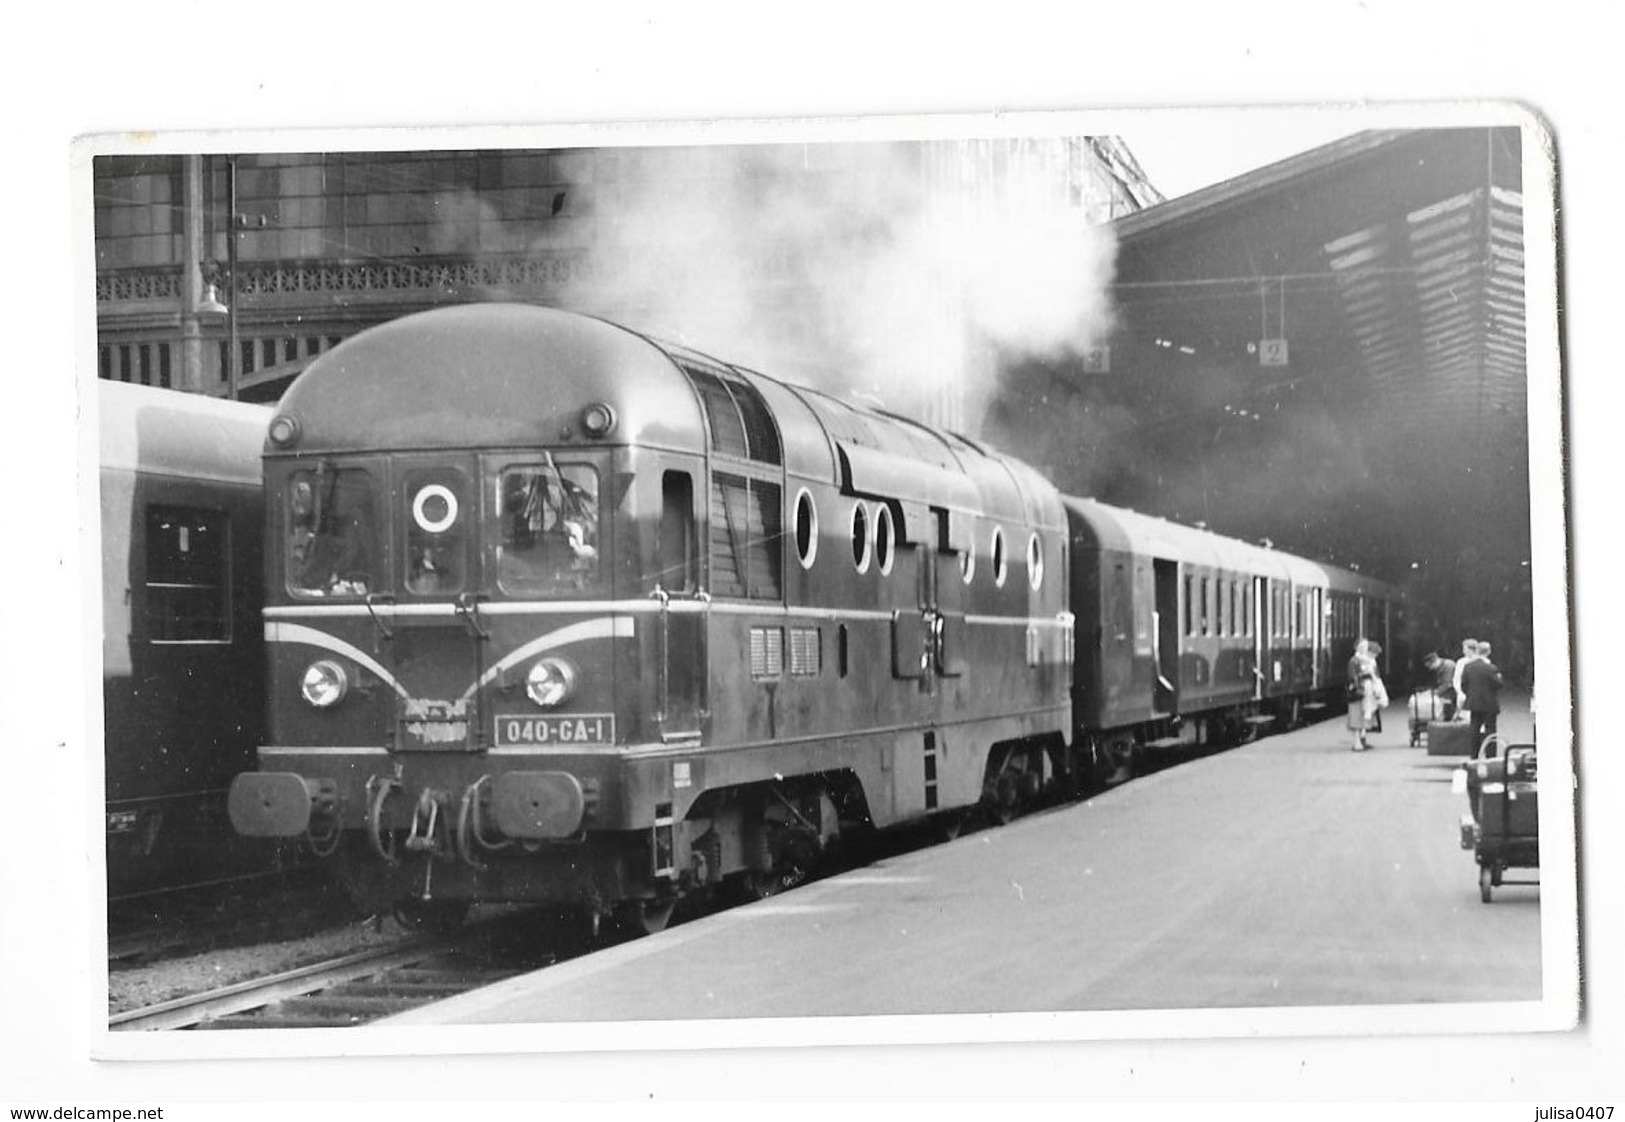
[574, 728]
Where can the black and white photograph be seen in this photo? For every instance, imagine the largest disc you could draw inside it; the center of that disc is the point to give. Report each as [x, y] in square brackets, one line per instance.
[854, 574]
[1033, 588]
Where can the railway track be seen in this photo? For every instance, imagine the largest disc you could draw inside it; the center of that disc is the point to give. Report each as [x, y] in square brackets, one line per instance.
[229, 912]
[365, 986]
[356, 988]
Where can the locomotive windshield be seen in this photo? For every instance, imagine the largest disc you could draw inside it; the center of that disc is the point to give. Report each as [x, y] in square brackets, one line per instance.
[333, 545]
[547, 531]
[549, 528]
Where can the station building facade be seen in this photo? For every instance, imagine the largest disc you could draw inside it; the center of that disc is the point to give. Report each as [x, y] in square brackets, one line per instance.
[290, 253]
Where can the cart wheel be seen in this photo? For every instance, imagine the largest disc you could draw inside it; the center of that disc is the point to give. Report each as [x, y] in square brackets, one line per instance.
[1485, 879]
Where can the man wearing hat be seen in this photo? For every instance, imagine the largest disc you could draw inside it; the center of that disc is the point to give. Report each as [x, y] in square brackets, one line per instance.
[1444, 682]
[1481, 693]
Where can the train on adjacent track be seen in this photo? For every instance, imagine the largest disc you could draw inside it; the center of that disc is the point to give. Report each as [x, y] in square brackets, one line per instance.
[182, 514]
[558, 612]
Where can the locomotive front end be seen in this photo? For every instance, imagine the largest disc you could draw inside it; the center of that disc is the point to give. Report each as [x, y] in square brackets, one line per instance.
[459, 645]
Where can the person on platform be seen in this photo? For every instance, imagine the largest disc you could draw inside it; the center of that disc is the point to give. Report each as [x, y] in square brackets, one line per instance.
[1366, 695]
[1469, 651]
[1481, 695]
[1444, 683]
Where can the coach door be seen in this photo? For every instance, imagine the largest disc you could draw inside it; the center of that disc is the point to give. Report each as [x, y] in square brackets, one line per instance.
[1165, 666]
[1262, 667]
[684, 614]
[1317, 637]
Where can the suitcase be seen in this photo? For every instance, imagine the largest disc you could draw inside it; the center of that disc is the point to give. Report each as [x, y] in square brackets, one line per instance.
[1450, 738]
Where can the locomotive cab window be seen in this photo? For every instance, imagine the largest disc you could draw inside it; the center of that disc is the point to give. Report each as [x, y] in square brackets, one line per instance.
[186, 576]
[548, 540]
[437, 531]
[333, 544]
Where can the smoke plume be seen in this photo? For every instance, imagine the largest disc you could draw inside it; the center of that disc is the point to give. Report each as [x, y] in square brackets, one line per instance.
[894, 272]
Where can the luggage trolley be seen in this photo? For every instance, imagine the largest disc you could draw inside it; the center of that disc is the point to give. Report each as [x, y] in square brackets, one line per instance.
[1425, 708]
[1503, 828]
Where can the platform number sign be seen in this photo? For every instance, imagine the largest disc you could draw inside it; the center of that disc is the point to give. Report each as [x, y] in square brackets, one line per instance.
[1272, 352]
[1097, 360]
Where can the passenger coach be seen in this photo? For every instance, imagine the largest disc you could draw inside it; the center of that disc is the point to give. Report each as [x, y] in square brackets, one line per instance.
[1186, 636]
[182, 513]
[557, 612]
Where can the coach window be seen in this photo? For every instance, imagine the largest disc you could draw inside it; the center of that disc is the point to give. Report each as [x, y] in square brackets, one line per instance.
[438, 514]
[333, 547]
[999, 561]
[549, 533]
[1035, 562]
[186, 576]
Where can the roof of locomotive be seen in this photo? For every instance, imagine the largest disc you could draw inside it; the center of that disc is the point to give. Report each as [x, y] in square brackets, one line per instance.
[166, 432]
[1114, 527]
[516, 375]
[489, 375]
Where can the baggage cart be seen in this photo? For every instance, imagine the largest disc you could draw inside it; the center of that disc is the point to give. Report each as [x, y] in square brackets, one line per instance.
[1425, 708]
[1502, 827]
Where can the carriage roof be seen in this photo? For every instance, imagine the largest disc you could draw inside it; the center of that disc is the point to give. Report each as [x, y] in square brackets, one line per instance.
[166, 432]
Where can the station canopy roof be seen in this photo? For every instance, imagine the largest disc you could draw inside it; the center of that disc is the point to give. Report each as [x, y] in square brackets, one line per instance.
[1328, 352]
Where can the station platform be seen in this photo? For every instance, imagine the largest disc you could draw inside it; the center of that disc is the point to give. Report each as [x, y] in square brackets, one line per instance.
[1287, 872]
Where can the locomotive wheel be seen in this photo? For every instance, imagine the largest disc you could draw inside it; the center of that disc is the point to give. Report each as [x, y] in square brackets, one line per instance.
[1101, 766]
[794, 855]
[1005, 804]
[1124, 755]
[1485, 878]
[436, 916]
[760, 885]
[636, 918]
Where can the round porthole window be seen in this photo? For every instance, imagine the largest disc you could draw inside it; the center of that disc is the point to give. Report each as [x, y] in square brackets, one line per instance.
[860, 537]
[806, 529]
[434, 509]
[1035, 561]
[967, 564]
[885, 537]
[1000, 566]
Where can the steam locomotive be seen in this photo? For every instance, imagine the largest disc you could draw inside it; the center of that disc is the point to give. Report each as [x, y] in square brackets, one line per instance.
[182, 513]
[559, 612]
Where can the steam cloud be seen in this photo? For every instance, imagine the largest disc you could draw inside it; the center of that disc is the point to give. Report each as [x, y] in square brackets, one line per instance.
[876, 270]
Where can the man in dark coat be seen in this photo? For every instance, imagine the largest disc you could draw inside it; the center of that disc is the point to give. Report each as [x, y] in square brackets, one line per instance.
[1444, 682]
[1481, 695]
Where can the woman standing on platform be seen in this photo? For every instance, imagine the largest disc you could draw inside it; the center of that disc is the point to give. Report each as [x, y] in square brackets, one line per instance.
[1366, 694]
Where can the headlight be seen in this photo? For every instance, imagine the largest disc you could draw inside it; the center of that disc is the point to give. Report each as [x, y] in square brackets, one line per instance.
[550, 681]
[325, 683]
